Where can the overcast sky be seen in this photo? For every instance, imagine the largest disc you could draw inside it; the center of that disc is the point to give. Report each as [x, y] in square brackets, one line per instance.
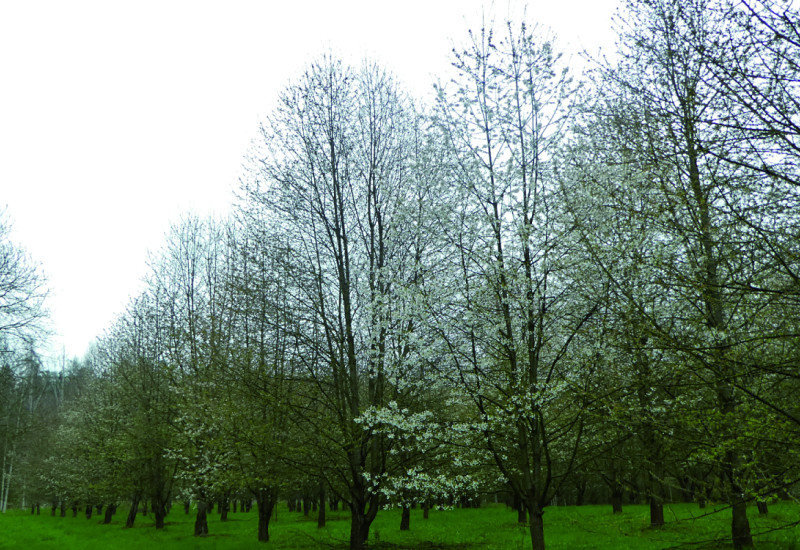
[117, 116]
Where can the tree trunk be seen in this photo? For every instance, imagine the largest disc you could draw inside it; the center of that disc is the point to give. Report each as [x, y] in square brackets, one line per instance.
[359, 529]
[656, 511]
[321, 511]
[762, 507]
[160, 512]
[405, 519]
[74, 510]
[223, 505]
[740, 526]
[519, 506]
[201, 521]
[53, 509]
[132, 512]
[89, 509]
[536, 528]
[110, 509]
[265, 501]
[616, 500]
[63, 509]
[187, 505]
[580, 489]
[426, 507]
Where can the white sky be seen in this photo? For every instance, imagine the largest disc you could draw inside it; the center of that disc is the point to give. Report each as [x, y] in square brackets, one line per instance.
[118, 116]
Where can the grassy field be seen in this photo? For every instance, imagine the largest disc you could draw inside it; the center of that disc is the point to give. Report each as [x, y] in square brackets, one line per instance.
[490, 528]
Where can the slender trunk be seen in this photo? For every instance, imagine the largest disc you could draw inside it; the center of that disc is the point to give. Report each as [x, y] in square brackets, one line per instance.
[322, 507]
[656, 511]
[656, 499]
[89, 509]
[426, 507]
[522, 514]
[616, 500]
[580, 489]
[132, 512]
[74, 510]
[740, 526]
[160, 512]
[63, 509]
[405, 519]
[265, 501]
[223, 505]
[762, 507]
[201, 520]
[519, 506]
[536, 527]
[359, 529]
[110, 509]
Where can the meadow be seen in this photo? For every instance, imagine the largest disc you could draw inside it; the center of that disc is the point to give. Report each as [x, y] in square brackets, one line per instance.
[493, 527]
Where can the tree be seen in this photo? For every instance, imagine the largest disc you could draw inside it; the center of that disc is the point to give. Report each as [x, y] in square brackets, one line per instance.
[513, 323]
[22, 290]
[672, 144]
[332, 177]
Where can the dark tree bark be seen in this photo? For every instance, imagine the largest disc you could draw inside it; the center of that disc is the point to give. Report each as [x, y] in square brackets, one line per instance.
[426, 510]
[580, 490]
[762, 507]
[63, 509]
[224, 506]
[160, 513]
[616, 500]
[265, 501]
[537, 528]
[405, 519]
[110, 509]
[321, 511]
[656, 512]
[201, 520]
[89, 509]
[132, 512]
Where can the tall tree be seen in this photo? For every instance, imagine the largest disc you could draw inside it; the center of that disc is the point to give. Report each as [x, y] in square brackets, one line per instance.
[333, 174]
[682, 177]
[515, 314]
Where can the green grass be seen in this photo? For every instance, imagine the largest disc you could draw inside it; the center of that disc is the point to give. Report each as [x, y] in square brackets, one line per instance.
[571, 528]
